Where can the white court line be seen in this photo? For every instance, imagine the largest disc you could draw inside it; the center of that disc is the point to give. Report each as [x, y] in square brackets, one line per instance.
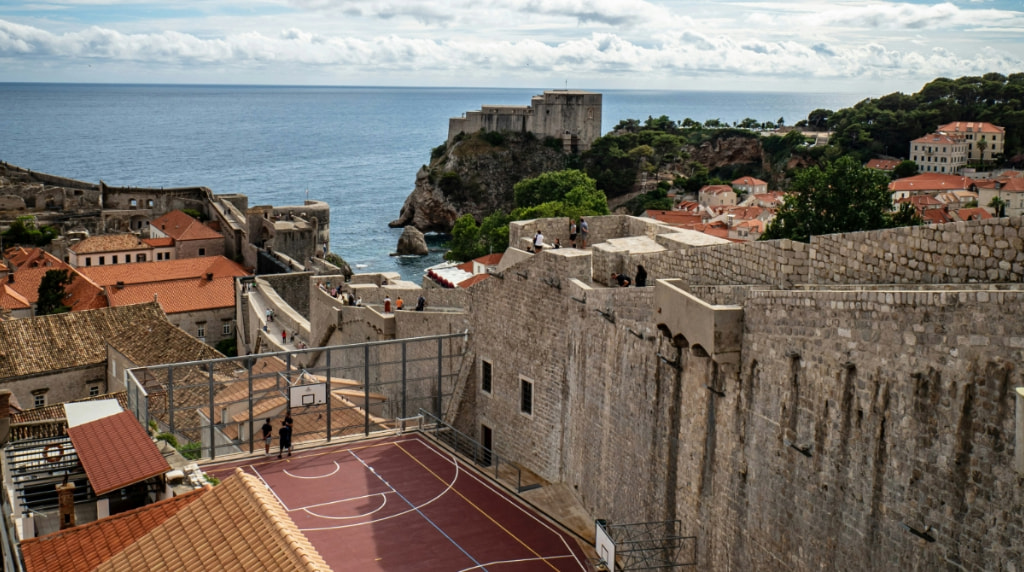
[504, 494]
[266, 484]
[449, 487]
[337, 468]
[496, 562]
[383, 502]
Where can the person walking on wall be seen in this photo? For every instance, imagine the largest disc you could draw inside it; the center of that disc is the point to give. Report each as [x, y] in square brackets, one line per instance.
[641, 276]
[387, 304]
[538, 242]
[572, 232]
[399, 303]
[420, 303]
[268, 434]
[284, 336]
[284, 435]
[584, 233]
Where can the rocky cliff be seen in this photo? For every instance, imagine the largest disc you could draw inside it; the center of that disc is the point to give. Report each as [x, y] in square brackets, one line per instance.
[475, 175]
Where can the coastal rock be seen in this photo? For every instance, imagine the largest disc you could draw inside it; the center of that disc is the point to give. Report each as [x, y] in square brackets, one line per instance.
[412, 241]
[727, 151]
[426, 208]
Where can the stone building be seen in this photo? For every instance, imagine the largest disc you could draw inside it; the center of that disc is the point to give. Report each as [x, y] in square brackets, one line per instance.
[845, 404]
[570, 115]
[190, 237]
[973, 133]
[938, 153]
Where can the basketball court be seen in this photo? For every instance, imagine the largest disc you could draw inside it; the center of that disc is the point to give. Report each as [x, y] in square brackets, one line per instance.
[403, 503]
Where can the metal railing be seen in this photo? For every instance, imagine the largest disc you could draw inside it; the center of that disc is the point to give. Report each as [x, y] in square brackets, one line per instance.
[469, 448]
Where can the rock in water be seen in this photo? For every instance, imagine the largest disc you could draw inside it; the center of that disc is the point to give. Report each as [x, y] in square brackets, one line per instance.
[412, 241]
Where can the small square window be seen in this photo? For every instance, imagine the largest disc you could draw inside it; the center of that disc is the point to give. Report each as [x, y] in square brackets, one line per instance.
[103, 260]
[94, 390]
[526, 396]
[226, 329]
[201, 330]
[202, 252]
[485, 376]
[113, 259]
[88, 261]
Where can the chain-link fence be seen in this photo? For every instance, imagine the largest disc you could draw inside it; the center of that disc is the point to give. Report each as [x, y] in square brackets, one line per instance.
[216, 407]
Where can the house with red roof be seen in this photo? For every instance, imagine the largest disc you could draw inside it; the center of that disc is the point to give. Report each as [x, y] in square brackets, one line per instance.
[750, 185]
[197, 294]
[975, 213]
[190, 237]
[938, 153]
[929, 184]
[886, 165]
[26, 272]
[1008, 190]
[973, 133]
[716, 195]
[105, 249]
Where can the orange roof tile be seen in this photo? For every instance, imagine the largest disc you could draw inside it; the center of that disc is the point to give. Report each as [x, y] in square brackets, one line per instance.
[674, 218]
[931, 182]
[489, 259]
[177, 296]
[11, 300]
[163, 270]
[749, 182]
[975, 213]
[970, 127]
[108, 243]
[115, 452]
[180, 227]
[716, 189]
[936, 138]
[882, 164]
[82, 294]
[935, 216]
[85, 547]
[159, 242]
[471, 281]
[30, 257]
[237, 526]
[1015, 185]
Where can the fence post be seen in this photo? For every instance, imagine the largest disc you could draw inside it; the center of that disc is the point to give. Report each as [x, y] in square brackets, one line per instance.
[440, 375]
[328, 378]
[366, 385]
[170, 400]
[213, 428]
[403, 380]
[252, 422]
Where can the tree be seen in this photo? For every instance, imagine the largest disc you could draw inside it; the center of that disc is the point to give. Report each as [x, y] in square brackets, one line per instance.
[842, 196]
[52, 294]
[24, 231]
[465, 242]
[551, 186]
[999, 205]
[982, 145]
[906, 168]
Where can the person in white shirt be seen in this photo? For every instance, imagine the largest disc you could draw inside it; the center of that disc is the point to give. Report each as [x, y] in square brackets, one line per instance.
[538, 242]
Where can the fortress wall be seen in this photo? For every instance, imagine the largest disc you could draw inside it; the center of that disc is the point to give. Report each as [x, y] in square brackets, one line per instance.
[977, 251]
[781, 262]
[903, 400]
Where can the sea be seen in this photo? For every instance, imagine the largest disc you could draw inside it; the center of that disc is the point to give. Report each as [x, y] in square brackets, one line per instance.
[356, 148]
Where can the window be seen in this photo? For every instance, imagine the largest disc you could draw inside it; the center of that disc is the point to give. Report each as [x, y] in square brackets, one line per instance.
[202, 252]
[149, 203]
[103, 260]
[88, 261]
[39, 397]
[226, 329]
[94, 390]
[201, 330]
[113, 259]
[526, 396]
[133, 203]
[485, 376]
[140, 258]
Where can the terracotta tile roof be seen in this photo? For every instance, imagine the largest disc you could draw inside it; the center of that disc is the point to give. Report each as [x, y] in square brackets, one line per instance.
[159, 242]
[931, 182]
[56, 411]
[115, 452]
[936, 139]
[921, 201]
[970, 127]
[85, 547]
[11, 300]
[163, 270]
[975, 213]
[489, 259]
[237, 526]
[882, 164]
[935, 216]
[108, 243]
[748, 182]
[716, 189]
[181, 227]
[61, 341]
[674, 218]
[745, 213]
[474, 280]
[30, 257]
[82, 293]
[1015, 185]
[175, 297]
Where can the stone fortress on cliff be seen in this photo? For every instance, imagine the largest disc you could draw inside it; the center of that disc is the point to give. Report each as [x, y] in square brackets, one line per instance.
[572, 116]
[847, 404]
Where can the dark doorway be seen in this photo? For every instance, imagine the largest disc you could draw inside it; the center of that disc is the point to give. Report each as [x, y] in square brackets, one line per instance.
[485, 439]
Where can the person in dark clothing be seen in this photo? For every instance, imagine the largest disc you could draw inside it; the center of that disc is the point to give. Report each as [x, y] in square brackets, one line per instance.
[268, 434]
[284, 435]
[641, 276]
[621, 279]
[420, 304]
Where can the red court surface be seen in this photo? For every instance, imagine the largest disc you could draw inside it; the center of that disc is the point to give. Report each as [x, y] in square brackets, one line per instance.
[402, 503]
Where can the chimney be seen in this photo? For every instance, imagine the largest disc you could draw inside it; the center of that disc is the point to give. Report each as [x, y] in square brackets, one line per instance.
[66, 505]
[5, 415]
[209, 276]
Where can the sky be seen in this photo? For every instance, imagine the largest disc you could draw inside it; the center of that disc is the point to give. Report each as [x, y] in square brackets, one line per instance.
[752, 45]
